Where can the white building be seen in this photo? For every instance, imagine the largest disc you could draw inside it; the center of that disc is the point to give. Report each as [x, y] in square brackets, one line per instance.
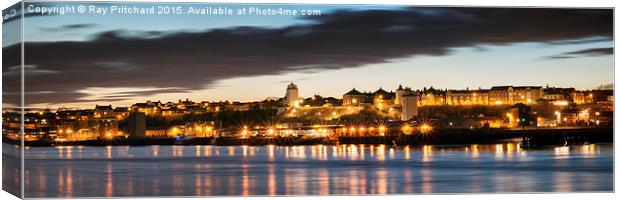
[409, 103]
[292, 95]
[400, 92]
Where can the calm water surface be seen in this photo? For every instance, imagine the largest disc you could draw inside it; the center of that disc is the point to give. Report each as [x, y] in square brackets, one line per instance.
[313, 170]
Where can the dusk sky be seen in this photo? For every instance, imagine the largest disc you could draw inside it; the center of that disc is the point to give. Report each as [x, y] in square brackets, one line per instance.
[83, 60]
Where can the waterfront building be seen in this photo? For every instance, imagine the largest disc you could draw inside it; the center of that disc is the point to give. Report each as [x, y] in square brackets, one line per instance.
[105, 122]
[409, 106]
[38, 125]
[171, 112]
[467, 97]
[354, 98]
[382, 99]
[484, 121]
[601, 118]
[320, 101]
[527, 94]
[149, 108]
[510, 95]
[569, 117]
[501, 95]
[11, 124]
[399, 94]
[267, 104]
[238, 106]
[595, 113]
[75, 125]
[121, 112]
[431, 97]
[105, 127]
[156, 132]
[136, 125]
[579, 97]
[546, 121]
[595, 96]
[292, 95]
[559, 96]
[216, 106]
[183, 104]
[200, 129]
[103, 111]
[555, 94]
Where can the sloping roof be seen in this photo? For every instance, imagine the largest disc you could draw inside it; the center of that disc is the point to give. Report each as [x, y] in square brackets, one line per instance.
[433, 91]
[381, 91]
[558, 90]
[291, 86]
[140, 104]
[469, 91]
[353, 92]
[121, 109]
[500, 87]
[98, 107]
[525, 87]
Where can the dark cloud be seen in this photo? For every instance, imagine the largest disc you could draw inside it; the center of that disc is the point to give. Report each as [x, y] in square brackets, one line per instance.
[593, 52]
[557, 57]
[68, 27]
[580, 41]
[342, 39]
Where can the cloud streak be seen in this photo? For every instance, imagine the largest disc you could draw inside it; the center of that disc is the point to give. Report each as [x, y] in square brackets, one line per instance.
[343, 39]
[592, 52]
[68, 27]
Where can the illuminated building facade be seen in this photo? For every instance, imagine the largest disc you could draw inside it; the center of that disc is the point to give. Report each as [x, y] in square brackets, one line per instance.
[104, 122]
[501, 95]
[75, 125]
[432, 97]
[467, 97]
[156, 132]
[399, 94]
[527, 94]
[509, 95]
[409, 106]
[136, 124]
[292, 95]
[149, 108]
[38, 125]
[557, 106]
[354, 98]
[11, 124]
[382, 99]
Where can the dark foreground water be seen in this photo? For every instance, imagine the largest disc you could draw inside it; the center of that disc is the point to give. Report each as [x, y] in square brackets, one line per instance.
[313, 170]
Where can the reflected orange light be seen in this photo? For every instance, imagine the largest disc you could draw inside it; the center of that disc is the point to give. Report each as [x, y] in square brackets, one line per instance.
[427, 152]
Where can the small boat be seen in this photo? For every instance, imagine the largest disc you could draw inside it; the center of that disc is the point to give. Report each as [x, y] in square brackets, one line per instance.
[182, 139]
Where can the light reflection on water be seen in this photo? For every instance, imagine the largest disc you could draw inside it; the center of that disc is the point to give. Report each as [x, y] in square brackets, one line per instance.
[313, 170]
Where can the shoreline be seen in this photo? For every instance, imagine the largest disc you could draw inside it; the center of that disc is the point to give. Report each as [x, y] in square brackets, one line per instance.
[443, 136]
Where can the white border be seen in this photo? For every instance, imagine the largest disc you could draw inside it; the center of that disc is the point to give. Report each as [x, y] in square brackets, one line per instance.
[485, 3]
[469, 3]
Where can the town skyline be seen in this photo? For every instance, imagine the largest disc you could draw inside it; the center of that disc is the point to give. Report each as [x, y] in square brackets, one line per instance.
[302, 94]
[109, 99]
